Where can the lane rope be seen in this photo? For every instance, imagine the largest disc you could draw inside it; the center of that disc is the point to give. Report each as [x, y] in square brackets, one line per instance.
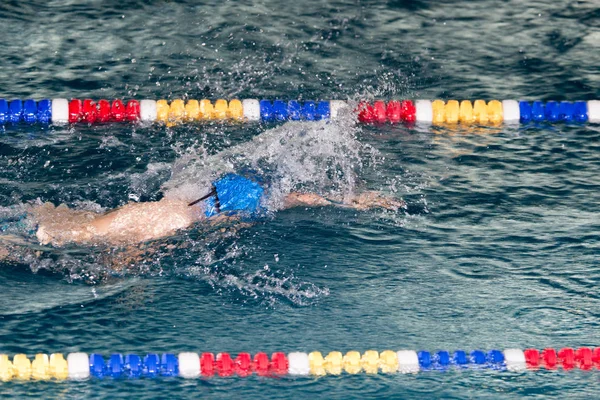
[178, 111]
[78, 366]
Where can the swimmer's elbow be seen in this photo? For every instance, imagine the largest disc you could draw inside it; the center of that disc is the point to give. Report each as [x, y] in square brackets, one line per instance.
[296, 199]
[42, 235]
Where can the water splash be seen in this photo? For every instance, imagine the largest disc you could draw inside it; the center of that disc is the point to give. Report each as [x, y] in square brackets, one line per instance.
[263, 285]
[320, 157]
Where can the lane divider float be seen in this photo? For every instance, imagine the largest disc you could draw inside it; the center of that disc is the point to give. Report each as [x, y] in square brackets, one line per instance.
[436, 112]
[193, 365]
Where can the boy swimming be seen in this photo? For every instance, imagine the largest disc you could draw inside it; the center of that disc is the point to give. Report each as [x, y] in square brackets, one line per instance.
[294, 165]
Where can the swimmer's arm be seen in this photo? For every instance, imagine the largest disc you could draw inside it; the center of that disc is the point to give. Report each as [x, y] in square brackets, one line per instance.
[134, 222]
[361, 201]
[140, 222]
[164, 215]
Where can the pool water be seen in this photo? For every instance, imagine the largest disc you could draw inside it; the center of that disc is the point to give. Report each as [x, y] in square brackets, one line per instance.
[496, 248]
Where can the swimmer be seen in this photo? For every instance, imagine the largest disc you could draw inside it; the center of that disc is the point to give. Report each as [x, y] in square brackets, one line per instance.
[319, 156]
[232, 197]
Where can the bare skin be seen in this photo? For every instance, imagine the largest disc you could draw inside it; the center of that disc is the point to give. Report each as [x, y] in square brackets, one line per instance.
[141, 222]
[134, 222]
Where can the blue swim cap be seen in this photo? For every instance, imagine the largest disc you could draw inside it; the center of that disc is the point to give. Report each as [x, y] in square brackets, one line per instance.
[236, 194]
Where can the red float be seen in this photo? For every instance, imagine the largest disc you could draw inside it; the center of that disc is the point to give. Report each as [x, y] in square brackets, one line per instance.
[532, 358]
[224, 364]
[409, 111]
[566, 357]
[394, 111]
[380, 111]
[366, 113]
[260, 364]
[549, 358]
[90, 111]
[132, 111]
[243, 364]
[279, 363]
[75, 111]
[103, 111]
[117, 111]
[207, 364]
[596, 357]
[584, 358]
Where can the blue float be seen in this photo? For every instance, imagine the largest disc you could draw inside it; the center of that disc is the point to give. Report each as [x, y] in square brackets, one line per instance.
[496, 359]
[97, 365]
[151, 365]
[460, 358]
[294, 110]
[538, 113]
[280, 110]
[15, 111]
[525, 111]
[3, 111]
[478, 357]
[424, 359]
[580, 111]
[266, 111]
[309, 110]
[44, 111]
[133, 365]
[115, 365]
[30, 111]
[551, 111]
[323, 110]
[441, 359]
[169, 365]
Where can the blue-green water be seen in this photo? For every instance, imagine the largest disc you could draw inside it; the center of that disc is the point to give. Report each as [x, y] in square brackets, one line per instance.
[496, 249]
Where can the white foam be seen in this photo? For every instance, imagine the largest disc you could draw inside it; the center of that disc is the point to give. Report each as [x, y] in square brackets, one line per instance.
[335, 107]
[321, 156]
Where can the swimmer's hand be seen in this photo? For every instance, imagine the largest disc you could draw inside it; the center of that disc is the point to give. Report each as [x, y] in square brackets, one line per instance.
[371, 199]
